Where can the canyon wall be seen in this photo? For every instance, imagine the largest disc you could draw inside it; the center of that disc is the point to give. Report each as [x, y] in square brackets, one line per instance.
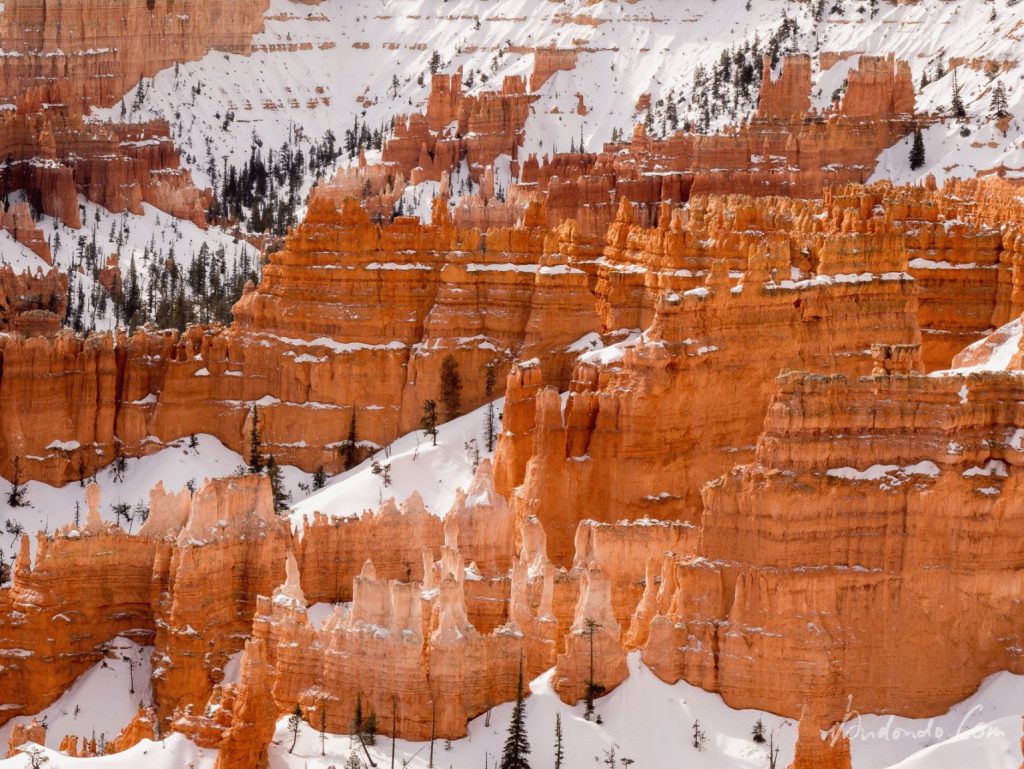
[892, 495]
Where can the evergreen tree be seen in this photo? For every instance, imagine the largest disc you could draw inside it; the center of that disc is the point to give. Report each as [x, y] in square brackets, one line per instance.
[294, 722]
[758, 733]
[917, 154]
[17, 496]
[323, 728]
[451, 387]
[319, 478]
[357, 717]
[517, 743]
[593, 689]
[277, 485]
[959, 111]
[490, 426]
[255, 458]
[559, 749]
[1000, 106]
[428, 422]
[698, 737]
[350, 448]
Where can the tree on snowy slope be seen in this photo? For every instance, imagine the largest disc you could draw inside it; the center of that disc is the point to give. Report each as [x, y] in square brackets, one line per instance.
[281, 496]
[917, 155]
[1000, 106]
[428, 423]
[959, 111]
[517, 744]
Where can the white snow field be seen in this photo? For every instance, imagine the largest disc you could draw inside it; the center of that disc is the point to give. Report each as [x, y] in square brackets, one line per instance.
[292, 81]
[101, 702]
[644, 719]
[50, 507]
[416, 466]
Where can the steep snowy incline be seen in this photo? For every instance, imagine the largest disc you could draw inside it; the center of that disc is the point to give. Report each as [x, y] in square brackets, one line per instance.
[49, 507]
[415, 465]
[103, 699]
[652, 723]
[291, 88]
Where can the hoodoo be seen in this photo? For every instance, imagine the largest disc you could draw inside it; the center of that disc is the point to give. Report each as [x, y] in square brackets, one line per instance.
[511, 384]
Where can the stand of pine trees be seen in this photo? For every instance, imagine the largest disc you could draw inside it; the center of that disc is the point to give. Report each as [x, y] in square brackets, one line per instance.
[155, 288]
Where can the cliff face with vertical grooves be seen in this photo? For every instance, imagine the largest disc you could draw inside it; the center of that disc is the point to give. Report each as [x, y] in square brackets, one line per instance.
[864, 493]
[354, 319]
[61, 59]
[788, 541]
[89, 54]
[93, 582]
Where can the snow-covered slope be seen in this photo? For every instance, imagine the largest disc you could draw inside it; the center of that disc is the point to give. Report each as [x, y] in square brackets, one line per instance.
[148, 242]
[652, 723]
[103, 699]
[50, 507]
[319, 68]
[415, 465]
[644, 719]
[653, 47]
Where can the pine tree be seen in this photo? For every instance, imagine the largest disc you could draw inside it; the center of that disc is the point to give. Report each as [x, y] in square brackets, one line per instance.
[294, 722]
[277, 485]
[16, 497]
[1000, 106]
[959, 111]
[517, 744]
[319, 478]
[917, 152]
[593, 689]
[698, 737]
[758, 733]
[357, 717]
[428, 423]
[451, 387]
[255, 458]
[559, 749]
[351, 447]
[489, 420]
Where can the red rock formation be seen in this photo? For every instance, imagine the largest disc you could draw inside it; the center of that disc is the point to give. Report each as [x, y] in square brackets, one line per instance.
[87, 55]
[662, 396]
[548, 61]
[790, 96]
[817, 751]
[890, 490]
[32, 305]
[87, 586]
[253, 714]
[19, 223]
[332, 551]
[234, 539]
[440, 670]
[22, 733]
[141, 727]
[55, 155]
[457, 126]
[93, 583]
